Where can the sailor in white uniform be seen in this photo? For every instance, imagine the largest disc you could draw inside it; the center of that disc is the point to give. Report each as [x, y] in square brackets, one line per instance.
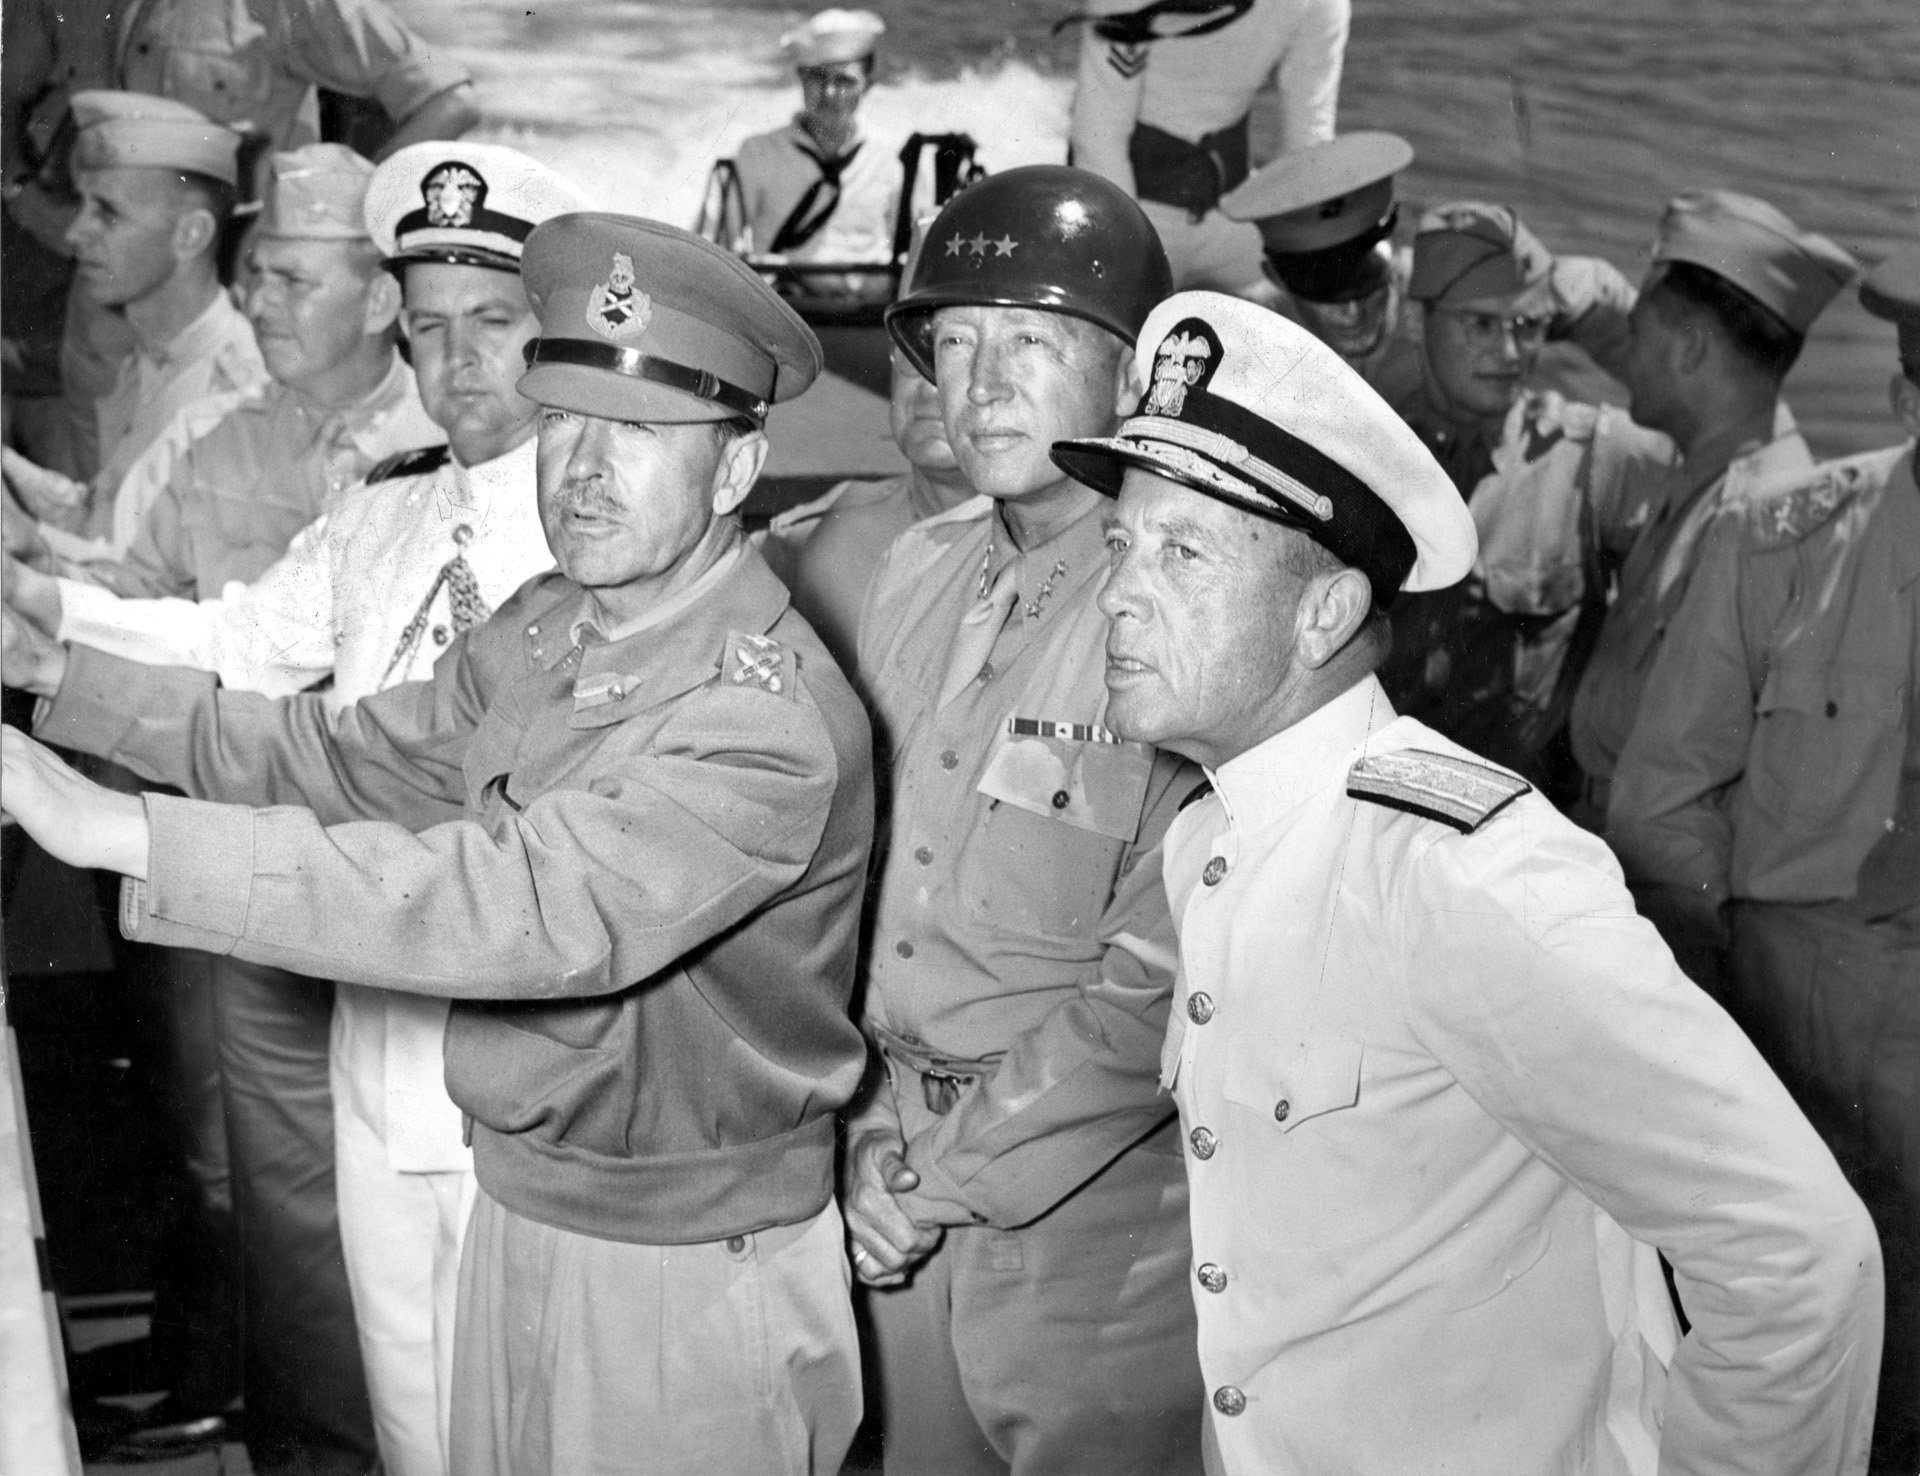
[1443, 1093]
[370, 595]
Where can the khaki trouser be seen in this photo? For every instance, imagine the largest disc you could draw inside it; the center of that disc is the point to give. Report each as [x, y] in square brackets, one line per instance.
[577, 1356]
[1065, 1346]
[1834, 1006]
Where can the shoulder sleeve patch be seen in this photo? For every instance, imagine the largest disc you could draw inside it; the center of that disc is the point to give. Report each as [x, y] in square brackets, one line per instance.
[1778, 521]
[759, 661]
[1455, 791]
[415, 463]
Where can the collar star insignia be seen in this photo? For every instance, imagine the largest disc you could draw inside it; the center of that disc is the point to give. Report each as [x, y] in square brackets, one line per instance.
[1004, 246]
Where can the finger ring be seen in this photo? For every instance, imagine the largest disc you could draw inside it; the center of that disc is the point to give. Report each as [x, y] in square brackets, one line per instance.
[860, 1253]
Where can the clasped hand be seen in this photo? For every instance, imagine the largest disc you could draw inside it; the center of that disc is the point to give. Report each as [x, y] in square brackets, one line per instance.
[886, 1240]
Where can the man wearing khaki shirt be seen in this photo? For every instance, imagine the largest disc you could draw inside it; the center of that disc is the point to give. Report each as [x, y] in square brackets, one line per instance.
[1013, 1188]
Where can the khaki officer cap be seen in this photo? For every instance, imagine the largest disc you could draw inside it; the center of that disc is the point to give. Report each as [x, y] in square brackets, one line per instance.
[833, 36]
[1469, 251]
[317, 193]
[643, 321]
[1892, 291]
[473, 204]
[136, 130]
[1791, 272]
[1253, 410]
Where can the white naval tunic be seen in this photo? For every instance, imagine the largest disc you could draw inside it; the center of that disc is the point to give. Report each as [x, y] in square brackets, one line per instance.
[1443, 1093]
[339, 601]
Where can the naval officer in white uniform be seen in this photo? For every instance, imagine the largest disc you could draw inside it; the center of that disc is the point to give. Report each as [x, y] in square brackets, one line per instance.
[1443, 1093]
[371, 594]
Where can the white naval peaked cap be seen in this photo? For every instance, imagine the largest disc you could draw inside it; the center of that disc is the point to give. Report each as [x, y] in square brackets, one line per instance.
[1252, 409]
[473, 204]
[831, 36]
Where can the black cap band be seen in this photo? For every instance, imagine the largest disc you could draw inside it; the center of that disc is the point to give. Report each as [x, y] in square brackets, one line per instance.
[700, 383]
[479, 219]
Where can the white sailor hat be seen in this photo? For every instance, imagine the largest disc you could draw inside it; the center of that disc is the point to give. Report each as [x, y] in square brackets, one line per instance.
[833, 36]
[1251, 409]
[473, 204]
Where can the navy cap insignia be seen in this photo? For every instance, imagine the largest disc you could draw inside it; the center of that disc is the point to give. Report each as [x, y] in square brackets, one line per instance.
[1186, 359]
[453, 192]
[617, 308]
[1457, 791]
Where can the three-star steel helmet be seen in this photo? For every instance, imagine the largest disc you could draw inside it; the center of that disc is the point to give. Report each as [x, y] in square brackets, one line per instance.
[1044, 236]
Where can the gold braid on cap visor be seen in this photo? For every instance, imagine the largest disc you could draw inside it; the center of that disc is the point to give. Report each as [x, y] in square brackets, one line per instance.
[1176, 441]
[702, 384]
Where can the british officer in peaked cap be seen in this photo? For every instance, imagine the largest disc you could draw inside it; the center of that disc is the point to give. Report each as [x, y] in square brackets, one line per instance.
[624, 828]
[1443, 1094]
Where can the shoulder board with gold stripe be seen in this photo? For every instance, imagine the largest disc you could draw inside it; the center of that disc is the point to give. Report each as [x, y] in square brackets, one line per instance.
[1455, 791]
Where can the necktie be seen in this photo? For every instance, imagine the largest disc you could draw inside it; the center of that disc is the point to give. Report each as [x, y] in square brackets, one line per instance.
[464, 602]
[979, 628]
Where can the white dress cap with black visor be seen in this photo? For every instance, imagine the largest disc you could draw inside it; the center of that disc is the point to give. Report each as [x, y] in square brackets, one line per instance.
[1253, 410]
[469, 204]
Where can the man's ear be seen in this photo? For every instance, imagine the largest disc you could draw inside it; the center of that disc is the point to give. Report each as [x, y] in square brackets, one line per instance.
[1128, 386]
[1332, 611]
[739, 469]
[1904, 395]
[1693, 345]
[383, 304]
[194, 232]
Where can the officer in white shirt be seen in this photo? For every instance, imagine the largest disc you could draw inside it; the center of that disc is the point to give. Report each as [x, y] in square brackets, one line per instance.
[1444, 1094]
[371, 594]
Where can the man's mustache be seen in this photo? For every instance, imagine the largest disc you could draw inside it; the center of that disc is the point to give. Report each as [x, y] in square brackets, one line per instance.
[588, 497]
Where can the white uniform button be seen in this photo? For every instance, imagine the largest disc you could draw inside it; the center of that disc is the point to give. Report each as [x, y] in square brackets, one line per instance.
[1216, 868]
[1203, 1142]
[949, 760]
[1229, 1400]
[924, 855]
[1212, 1277]
[441, 635]
[1199, 1008]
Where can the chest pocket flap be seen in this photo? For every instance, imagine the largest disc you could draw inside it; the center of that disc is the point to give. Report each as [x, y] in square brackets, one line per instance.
[1292, 1082]
[1095, 786]
[1831, 691]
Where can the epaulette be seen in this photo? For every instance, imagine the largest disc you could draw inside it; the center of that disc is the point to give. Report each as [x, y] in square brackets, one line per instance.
[1778, 521]
[759, 661]
[1455, 791]
[415, 463]
[1199, 792]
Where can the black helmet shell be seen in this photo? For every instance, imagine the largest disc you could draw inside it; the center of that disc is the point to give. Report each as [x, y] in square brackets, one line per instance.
[1043, 236]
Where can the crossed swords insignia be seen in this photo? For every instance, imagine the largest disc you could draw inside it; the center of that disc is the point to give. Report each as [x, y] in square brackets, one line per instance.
[760, 660]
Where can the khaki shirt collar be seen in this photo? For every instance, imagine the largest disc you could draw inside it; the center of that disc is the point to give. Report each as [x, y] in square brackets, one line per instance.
[653, 661]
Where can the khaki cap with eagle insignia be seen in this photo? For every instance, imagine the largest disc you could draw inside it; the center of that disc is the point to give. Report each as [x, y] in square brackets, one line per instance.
[642, 321]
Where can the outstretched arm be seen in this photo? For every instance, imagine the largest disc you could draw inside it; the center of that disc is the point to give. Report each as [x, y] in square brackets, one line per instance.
[73, 819]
